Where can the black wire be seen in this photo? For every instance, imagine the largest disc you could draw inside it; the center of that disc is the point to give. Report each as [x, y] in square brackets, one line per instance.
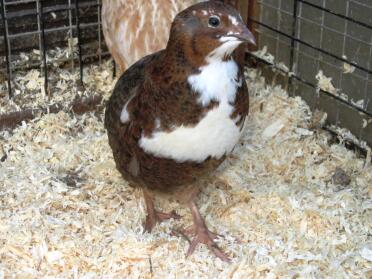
[6, 48]
[79, 39]
[294, 28]
[294, 25]
[113, 69]
[34, 65]
[45, 66]
[313, 47]
[310, 84]
[47, 10]
[337, 14]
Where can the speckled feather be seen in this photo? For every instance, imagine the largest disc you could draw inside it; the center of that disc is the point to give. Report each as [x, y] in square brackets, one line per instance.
[161, 99]
[135, 28]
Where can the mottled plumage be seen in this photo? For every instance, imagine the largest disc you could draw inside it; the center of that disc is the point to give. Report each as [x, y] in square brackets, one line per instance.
[135, 28]
[176, 114]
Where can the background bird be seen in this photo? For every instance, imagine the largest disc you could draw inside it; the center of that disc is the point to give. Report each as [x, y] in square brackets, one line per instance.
[175, 115]
[135, 28]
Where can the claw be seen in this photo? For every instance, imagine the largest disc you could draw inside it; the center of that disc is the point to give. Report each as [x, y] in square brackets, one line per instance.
[154, 216]
[204, 236]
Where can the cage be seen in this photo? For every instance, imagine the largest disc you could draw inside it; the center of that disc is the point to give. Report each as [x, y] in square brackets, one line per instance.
[296, 199]
[320, 50]
[324, 47]
[39, 37]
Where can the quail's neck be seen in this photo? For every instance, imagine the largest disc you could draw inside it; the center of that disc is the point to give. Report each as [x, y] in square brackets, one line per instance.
[181, 52]
[186, 54]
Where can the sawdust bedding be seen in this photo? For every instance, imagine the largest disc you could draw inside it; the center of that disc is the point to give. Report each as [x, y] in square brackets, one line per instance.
[67, 213]
[28, 85]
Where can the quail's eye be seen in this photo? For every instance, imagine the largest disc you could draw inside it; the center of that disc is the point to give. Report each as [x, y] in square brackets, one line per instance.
[214, 21]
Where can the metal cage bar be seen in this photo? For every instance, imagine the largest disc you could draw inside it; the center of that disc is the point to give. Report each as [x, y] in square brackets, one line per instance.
[301, 32]
[347, 18]
[7, 47]
[79, 39]
[43, 46]
[82, 21]
[298, 40]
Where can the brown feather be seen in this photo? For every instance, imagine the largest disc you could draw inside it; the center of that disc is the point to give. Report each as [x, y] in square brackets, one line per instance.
[158, 91]
[135, 28]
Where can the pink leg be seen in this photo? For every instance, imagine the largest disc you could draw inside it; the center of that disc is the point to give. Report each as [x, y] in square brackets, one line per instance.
[202, 233]
[153, 216]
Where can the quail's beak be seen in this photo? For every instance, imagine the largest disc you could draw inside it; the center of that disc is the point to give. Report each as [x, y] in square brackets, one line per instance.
[245, 35]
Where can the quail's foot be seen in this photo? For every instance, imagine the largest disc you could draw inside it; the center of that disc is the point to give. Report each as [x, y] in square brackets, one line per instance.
[203, 235]
[154, 216]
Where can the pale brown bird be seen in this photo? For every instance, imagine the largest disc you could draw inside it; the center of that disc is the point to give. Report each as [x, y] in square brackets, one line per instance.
[135, 28]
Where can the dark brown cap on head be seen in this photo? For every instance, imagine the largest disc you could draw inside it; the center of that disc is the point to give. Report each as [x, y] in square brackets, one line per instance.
[209, 29]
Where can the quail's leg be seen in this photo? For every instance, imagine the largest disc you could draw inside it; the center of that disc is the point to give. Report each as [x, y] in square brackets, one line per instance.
[153, 216]
[202, 234]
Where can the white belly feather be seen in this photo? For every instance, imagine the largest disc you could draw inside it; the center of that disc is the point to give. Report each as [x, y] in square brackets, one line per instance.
[216, 134]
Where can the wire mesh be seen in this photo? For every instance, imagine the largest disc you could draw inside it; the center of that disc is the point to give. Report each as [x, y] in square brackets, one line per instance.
[305, 35]
[50, 33]
[319, 40]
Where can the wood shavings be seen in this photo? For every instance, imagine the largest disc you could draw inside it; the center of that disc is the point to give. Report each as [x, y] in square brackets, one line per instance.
[318, 119]
[325, 83]
[346, 135]
[66, 211]
[33, 79]
[303, 132]
[270, 59]
[273, 129]
[365, 123]
[359, 103]
[29, 87]
[263, 54]
[366, 252]
[347, 68]
[283, 67]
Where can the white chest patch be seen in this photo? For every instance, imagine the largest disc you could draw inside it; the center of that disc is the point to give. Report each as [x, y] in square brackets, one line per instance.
[216, 134]
[216, 81]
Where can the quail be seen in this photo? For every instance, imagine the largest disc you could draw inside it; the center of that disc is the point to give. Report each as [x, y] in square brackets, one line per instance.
[175, 115]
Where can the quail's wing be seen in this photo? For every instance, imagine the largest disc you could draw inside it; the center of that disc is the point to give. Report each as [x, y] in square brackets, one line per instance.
[241, 100]
[117, 115]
